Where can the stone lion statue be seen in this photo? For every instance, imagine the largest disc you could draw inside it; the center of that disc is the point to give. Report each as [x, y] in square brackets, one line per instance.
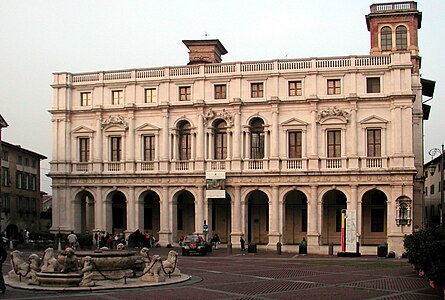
[153, 270]
[19, 266]
[171, 264]
[34, 265]
[71, 263]
[50, 263]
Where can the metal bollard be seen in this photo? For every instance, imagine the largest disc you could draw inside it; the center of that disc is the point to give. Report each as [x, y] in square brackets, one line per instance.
[11, 244]
[279, 248]
[229, 248]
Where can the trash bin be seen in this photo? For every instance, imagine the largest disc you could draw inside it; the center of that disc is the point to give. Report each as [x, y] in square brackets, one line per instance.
[302, 249]
[382, 250]
[331, 248]
[251, 248]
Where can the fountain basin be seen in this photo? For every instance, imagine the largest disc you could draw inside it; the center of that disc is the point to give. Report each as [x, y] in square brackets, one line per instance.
[59, 279]
[107, 264]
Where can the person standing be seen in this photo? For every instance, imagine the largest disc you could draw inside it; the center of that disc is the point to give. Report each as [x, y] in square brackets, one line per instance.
[243, 244]
[3, 255]
[72, 240]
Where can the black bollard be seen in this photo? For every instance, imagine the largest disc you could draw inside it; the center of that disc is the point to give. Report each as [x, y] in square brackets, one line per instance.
[279, 248]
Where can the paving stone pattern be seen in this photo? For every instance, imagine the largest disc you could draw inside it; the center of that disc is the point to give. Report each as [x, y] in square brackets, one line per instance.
[266, 275]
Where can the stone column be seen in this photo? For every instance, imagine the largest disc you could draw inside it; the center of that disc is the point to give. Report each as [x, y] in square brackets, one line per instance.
[236, 216]
[130, 166]
[352, 204]
[98, 209]
[132, 222]
[199, 210]
[313, 156]
[165, 233]
[313, 232]
[165, 142]
[274, 234]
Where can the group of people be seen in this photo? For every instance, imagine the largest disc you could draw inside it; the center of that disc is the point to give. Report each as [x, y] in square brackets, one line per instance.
[106, 239]
[139, 239]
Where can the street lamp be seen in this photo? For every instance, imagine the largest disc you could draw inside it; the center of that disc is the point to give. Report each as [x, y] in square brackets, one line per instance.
[432, 169]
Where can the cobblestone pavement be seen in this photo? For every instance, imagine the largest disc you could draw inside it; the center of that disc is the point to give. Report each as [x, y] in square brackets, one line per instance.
[266, 275]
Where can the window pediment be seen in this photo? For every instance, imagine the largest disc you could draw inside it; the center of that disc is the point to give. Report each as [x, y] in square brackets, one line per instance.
[373, 121]
[82, 130]
[113, 122]
[333, 115]
[294, 123]
[147, 128]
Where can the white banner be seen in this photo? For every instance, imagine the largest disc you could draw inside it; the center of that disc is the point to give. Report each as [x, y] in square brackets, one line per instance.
[351, 230]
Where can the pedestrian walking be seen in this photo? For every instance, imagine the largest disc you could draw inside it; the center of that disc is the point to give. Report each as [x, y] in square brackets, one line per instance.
[243, 244]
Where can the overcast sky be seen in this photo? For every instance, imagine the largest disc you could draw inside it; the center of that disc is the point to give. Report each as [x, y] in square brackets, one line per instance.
[40, 37]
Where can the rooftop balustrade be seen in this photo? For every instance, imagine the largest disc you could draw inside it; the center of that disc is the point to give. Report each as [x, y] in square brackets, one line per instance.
[273, 66]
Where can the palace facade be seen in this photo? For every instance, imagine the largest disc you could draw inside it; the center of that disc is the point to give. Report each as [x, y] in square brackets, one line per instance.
[296, 141]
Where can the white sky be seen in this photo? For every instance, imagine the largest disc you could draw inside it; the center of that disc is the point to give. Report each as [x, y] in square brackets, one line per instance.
[40, 37]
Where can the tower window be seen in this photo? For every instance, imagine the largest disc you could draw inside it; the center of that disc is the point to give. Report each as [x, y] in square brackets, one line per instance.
[401, 38]
[333, 86]
[386, 38]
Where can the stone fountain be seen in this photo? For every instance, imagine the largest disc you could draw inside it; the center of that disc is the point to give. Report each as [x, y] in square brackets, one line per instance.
[92, 269]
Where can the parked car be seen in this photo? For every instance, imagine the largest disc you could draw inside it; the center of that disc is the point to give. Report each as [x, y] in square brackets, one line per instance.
[193, 243]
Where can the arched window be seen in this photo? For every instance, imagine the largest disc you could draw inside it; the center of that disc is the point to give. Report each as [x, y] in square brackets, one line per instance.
[185, 141]
[220, 133]
[257, 139]
[386, 38]
[401, 38]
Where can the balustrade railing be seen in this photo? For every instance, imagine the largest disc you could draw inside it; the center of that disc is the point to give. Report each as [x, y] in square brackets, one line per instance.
[255, 164]
[333, 163]
[258, 66]
[409, 5]
[373, 162]
[115, 167]
[81, 167]
[293, 164]
[218, 165]
[147, 166]
[182, 165]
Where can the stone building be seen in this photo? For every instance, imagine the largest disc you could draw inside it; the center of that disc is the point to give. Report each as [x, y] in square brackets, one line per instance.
[20, 190]
[293, 142]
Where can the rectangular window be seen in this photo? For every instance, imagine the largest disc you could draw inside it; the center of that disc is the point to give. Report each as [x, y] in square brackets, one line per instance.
[27, 161]
[19, 159]
[432, 189]
[373, 85]
[374, 142]
[84, 149]
[295, 144]
[256, 90]
[377, 220]
[334, 143]
[18, 179]
[34, 164]
[185, 93]
[85, 99]
[5, 155]
[220, 91]
[151, 95]
[426, 191]
[117, 97]
[33, 180]
[6, 202]
[149, 148]
[333, 86]
[295, 88]
[6, 180]
[116, 148]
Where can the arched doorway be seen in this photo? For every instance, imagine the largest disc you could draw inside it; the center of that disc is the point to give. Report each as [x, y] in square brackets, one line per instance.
[374, 216]
[258, 218]
[334, 202]
[119, 212]
[221, 218]
[87, 222]
[12, 232]
[185, 214]
[152, 214]
[295, 217]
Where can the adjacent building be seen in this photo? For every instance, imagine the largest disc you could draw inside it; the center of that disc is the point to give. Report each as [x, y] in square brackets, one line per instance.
[20, 189]
[433, 190]
[271, 151]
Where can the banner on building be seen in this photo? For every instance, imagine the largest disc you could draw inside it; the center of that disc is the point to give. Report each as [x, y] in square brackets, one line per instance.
[215, 184]
[351, 231]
